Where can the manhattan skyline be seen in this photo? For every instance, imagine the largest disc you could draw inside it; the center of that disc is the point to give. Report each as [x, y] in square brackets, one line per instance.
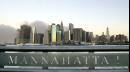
[91, 15]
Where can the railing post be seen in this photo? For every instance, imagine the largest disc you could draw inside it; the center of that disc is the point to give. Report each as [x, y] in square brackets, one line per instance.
[1, 66]
[91, 64]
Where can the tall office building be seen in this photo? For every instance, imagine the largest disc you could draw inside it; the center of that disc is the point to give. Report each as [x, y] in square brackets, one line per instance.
[87, 37]
[58, 34]
[62, 32]
[107, 34]
[33, 34]
[53, 33]
[62, 27]
[83, 36]
[50, 39]
[112, 38]
[121, 38]
[71, 26]
[24, 34]
[39, 38]
[17, 40]
[97, 38]
[58, 37]
[102, 38]
[77, 34]
[46, 37]
[58, 27]
[67, 36]
[91, 37]
[49, 28]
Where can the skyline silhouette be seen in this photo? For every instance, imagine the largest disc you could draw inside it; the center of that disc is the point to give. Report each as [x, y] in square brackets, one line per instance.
[91, 15]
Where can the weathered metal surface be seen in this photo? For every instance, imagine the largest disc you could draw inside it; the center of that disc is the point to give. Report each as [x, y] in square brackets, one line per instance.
[65, 48]
[59, 70]
[65, 59]
[99, 58]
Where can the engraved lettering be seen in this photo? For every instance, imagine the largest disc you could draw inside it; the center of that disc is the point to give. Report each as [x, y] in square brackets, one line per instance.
[33, 61]
[117, 57]
[63, 60]
[104, 60]
[77, 60]
[68, 60]
[44, 60]
[54, 60]
[86, 59]
[96, 59]
[24, 60]
[13, 60]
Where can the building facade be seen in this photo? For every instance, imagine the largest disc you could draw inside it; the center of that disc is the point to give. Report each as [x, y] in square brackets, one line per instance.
[33, 34]
[23, 35]
[53, 33]
[77, 35]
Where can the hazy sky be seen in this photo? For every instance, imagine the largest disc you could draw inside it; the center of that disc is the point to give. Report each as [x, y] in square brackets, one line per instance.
[91, 15]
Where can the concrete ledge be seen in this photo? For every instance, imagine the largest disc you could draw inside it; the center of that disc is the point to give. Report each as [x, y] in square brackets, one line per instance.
[27, 70]
[65, 48]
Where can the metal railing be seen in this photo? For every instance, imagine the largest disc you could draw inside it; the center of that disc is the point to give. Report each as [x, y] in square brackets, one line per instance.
[121, 50]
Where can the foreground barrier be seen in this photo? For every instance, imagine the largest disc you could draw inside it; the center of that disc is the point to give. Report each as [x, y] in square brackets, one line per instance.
[109, 58]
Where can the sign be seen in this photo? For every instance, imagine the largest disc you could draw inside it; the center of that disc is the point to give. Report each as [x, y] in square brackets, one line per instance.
[86, 60]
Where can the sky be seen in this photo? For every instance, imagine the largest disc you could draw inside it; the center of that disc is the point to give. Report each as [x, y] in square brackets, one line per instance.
[91, 15]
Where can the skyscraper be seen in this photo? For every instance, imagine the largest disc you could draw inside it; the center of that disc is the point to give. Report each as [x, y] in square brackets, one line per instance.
[102, 38]
[39, 38]
[107, 34]
[121, 38]
[58, 37]
[71, 26]
[53, 33]
[62, 32]
[87, 37]
[58, 27]
[62, 28]
[112, 38]
[77, 35]
[97, 38]
[24, 34]
[46, 37]
[91, 37]
[33, 34]
[17, 41]
[67, 36]
[83, 36]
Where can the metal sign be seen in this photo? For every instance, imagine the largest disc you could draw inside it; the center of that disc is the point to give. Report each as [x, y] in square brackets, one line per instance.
[64, 60]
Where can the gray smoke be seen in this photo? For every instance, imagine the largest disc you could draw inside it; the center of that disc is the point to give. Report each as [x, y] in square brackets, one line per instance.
[41, 27]
[7, 34]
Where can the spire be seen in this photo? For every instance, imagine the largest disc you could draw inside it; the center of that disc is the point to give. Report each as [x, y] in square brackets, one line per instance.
[62, 28]
[62, 32]
[107, 32]
[33, 32]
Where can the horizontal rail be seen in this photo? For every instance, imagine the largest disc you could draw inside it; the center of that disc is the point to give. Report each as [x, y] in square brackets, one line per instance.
[88, 48]
[60, 70]
[66, 48]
